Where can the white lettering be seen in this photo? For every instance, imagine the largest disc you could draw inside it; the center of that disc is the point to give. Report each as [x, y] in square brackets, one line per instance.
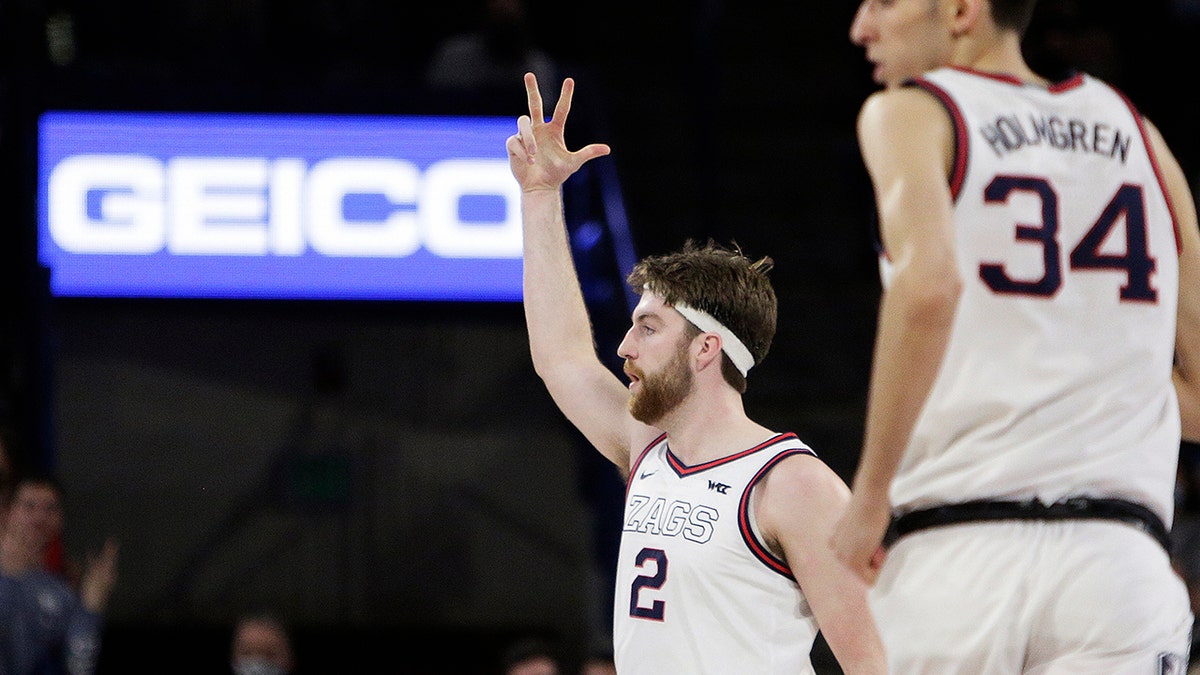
[217, 206]
[285, 225]
[330, 233]
[246, 206]
[445, 234]
[130, 205]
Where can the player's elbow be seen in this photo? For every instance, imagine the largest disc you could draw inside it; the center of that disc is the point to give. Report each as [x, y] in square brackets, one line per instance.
[561, 364]
[564, 346]
[543, 361]
[1187, 393]
[932, 309]
[931, 294]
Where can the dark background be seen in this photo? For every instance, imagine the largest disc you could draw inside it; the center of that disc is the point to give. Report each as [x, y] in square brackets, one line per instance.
[175, 423]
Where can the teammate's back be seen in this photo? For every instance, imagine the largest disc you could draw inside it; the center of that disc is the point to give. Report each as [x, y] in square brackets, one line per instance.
[1057, 378]
[1036, 357]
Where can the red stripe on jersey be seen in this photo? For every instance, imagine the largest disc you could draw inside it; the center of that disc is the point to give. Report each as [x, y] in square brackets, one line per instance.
[685, 470]
[958, 172]
[756, 546]
[1068, 84]
[999, 77]
[1162, 183]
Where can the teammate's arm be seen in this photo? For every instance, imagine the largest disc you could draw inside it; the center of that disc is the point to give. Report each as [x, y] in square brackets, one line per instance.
[1187, 328]
[907, 143]
[560, 333]
[797, 507]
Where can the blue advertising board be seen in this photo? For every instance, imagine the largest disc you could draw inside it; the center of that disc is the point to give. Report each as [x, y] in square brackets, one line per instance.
[190, 205]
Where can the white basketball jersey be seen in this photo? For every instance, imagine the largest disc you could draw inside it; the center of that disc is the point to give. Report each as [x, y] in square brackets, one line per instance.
[1057, 379]
[697, 591]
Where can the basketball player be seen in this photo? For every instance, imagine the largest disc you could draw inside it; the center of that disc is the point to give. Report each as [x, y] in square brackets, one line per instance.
[724, 564]
[1038, 337]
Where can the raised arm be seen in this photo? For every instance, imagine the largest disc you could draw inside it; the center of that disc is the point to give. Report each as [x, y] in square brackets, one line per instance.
[98, 578]
[1187, 327]
[560, 332]
[906, 141]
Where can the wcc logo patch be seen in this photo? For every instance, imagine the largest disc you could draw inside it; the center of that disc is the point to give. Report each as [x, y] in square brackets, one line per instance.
[719, 487]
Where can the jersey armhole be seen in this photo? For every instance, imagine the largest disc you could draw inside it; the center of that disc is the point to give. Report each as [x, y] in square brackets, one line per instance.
[748, 524]
[958, 169]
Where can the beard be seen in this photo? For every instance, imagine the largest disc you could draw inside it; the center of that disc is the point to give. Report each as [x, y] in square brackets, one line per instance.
[661, 392]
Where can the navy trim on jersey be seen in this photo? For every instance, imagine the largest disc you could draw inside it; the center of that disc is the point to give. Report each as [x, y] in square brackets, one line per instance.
[633, 467]
[961, 136]
[1074, 81]
[682, 469]
[757, 547]
[1158, 174]
[962, 149]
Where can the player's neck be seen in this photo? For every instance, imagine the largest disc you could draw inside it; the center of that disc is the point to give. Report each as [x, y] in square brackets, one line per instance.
[711, 427]
[1000, 56]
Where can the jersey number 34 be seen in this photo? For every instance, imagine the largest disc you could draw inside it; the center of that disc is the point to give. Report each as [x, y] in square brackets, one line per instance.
[1127, 205]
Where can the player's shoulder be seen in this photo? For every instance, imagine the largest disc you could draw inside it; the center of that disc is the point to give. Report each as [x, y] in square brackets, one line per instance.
[799, 483]
[904, 105]
[799, 469]
[902, 114]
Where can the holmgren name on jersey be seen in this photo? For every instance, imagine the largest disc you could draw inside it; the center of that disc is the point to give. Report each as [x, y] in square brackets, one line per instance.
[1009, 133]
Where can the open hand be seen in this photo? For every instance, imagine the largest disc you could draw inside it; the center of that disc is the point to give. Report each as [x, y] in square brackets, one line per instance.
[99, 576]
[538, 153]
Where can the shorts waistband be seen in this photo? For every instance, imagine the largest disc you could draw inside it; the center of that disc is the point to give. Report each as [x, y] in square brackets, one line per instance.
[1074, 508]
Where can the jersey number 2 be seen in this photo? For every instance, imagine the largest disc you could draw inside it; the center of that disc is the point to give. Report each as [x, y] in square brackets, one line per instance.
[651, 581]
[1135, 262]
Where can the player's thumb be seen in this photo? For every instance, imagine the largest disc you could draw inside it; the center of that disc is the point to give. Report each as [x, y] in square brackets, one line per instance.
[590, 152]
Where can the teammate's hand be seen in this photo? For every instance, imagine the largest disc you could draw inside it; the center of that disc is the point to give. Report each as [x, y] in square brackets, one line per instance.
[858, 538]
[538, 153]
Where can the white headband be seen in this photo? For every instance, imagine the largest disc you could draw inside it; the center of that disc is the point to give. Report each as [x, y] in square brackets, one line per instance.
[730, 344]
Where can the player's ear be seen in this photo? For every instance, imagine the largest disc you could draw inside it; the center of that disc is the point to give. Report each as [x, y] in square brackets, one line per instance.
[964, 14]
[709, 351]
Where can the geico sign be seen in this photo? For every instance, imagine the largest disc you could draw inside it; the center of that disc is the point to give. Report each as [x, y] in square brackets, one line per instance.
[259, 206]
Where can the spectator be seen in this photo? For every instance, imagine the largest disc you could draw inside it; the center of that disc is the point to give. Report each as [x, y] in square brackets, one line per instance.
[7, 463]
[46, 626]
[493, 56]
[54, 556]
[599, 663]
[531, 656]
[261, 645]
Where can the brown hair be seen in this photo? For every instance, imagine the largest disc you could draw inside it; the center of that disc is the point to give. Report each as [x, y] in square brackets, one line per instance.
[723, 283]
[1013, 14]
